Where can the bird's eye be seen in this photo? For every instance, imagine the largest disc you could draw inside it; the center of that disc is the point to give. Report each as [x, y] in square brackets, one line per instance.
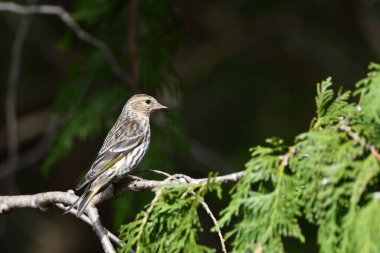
[147, 101]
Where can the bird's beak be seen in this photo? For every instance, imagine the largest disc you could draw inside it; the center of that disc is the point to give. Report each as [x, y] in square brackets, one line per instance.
[159, 106]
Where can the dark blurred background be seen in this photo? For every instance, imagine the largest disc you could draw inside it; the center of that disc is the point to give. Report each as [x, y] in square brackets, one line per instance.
[232, 72]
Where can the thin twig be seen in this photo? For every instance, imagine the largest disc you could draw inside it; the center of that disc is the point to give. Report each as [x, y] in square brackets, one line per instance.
[360, 140]
[73, 25]
[87, 220]
[216, 224]
[93, 215]
[11, 97]
[374, 153]
[159, 172]
[284, 159]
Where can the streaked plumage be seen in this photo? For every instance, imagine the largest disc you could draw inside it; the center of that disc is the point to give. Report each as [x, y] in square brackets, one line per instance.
[122, 150]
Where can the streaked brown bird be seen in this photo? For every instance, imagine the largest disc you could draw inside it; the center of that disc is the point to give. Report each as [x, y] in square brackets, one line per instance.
[123, 149]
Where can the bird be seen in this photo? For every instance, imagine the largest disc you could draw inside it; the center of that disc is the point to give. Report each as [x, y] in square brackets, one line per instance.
[123, 149]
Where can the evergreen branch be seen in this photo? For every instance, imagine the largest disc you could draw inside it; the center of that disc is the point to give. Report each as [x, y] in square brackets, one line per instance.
[284, 159]
[147, 213]
[361, 141]
[268, 213]
[73, 25]
[276, 199]
[324, 96]
[205, 206]
[374, 153]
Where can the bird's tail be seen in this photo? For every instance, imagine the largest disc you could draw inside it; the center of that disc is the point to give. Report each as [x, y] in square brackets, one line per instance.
[82, 202]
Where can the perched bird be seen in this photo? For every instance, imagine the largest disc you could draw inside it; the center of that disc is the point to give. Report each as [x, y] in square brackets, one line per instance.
[122, 150]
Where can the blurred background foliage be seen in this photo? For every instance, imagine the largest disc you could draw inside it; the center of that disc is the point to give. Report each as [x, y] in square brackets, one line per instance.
[232, 73]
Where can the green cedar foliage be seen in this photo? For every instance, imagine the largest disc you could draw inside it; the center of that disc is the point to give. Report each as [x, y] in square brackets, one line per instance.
[328, 177]
[266, 200]
[170, 223]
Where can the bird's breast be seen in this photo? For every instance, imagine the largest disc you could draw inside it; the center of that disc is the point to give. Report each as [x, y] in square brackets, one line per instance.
[133, 158]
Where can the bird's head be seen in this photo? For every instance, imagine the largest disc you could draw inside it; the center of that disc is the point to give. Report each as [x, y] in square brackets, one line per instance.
[143, 104]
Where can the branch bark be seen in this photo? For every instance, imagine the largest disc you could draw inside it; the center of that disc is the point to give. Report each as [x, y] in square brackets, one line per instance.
[100, 231]
[142, 184]
[87, 220]
[46, 199]
[61, 199]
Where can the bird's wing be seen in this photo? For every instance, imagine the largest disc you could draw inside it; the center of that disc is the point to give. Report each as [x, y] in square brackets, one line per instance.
[123, 143]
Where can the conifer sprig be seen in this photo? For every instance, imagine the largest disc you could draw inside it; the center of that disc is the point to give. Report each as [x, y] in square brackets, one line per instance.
[327, 180]
[170, 223]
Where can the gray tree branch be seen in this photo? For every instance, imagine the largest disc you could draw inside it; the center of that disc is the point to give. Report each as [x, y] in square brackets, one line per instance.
[143, 184]
[100, 231]
[61, 199]
[87, 220]
[43, 200]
